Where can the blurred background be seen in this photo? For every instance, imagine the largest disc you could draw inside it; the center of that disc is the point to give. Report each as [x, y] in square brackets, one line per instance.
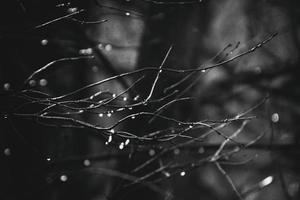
[52, 163]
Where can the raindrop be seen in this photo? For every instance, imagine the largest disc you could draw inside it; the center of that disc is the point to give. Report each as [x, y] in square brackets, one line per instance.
[43, 82]
[112, 131]
[108, 47]
[86, 162]
[201, 150]
[127, 13]
[114, 95]
[95, 69]
[6, 86]
[80, 111]
[100, 115]
[63, 178]
[127, 142]
[203, 70]
[7, 151]
[100, 46]
[133, 117]
[44, 42]
[124, 98]
[190, 126]
[136, 98]
[176, 151]
[87, 51]
[48, 159]
[151, 152]
[121, 146]
[108, 114]
[32, 83]
[109, 138]
[275, 117]
[71, 10]
[267, 181]
[120, 109]
[167, 174]
[130, 108]
[182, 173]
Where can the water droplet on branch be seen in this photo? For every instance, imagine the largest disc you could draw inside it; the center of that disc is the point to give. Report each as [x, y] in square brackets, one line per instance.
[275, 117]
[63, 178]
[7, 152]
[121, 146]
[86, 162]
[43, 82]
[6, 86]
[182, 173]
[44, 42]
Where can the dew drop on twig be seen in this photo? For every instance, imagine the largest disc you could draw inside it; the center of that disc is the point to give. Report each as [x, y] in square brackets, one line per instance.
[108, 47]
[267, 181]
[151, 152]
[201, 150]
[43, 82]
[95, 69]
[7, 152]
[86, 162]
[63, 178]
[44, 42]
[32, 83]
[182, 173]
[136, 98]
[71, 10]
[6, 86]
[176, 151]
[275, 117]
[109, 139]
[87, 51]
[167, 174]
[121, 146]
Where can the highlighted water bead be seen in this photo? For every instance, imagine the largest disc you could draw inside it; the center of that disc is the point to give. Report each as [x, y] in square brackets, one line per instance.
[63, 178]
[44, 42]
[6, 86]
[121, 146]
[275, 117]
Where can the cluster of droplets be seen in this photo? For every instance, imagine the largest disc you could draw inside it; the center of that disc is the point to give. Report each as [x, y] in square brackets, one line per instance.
[42, 82]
